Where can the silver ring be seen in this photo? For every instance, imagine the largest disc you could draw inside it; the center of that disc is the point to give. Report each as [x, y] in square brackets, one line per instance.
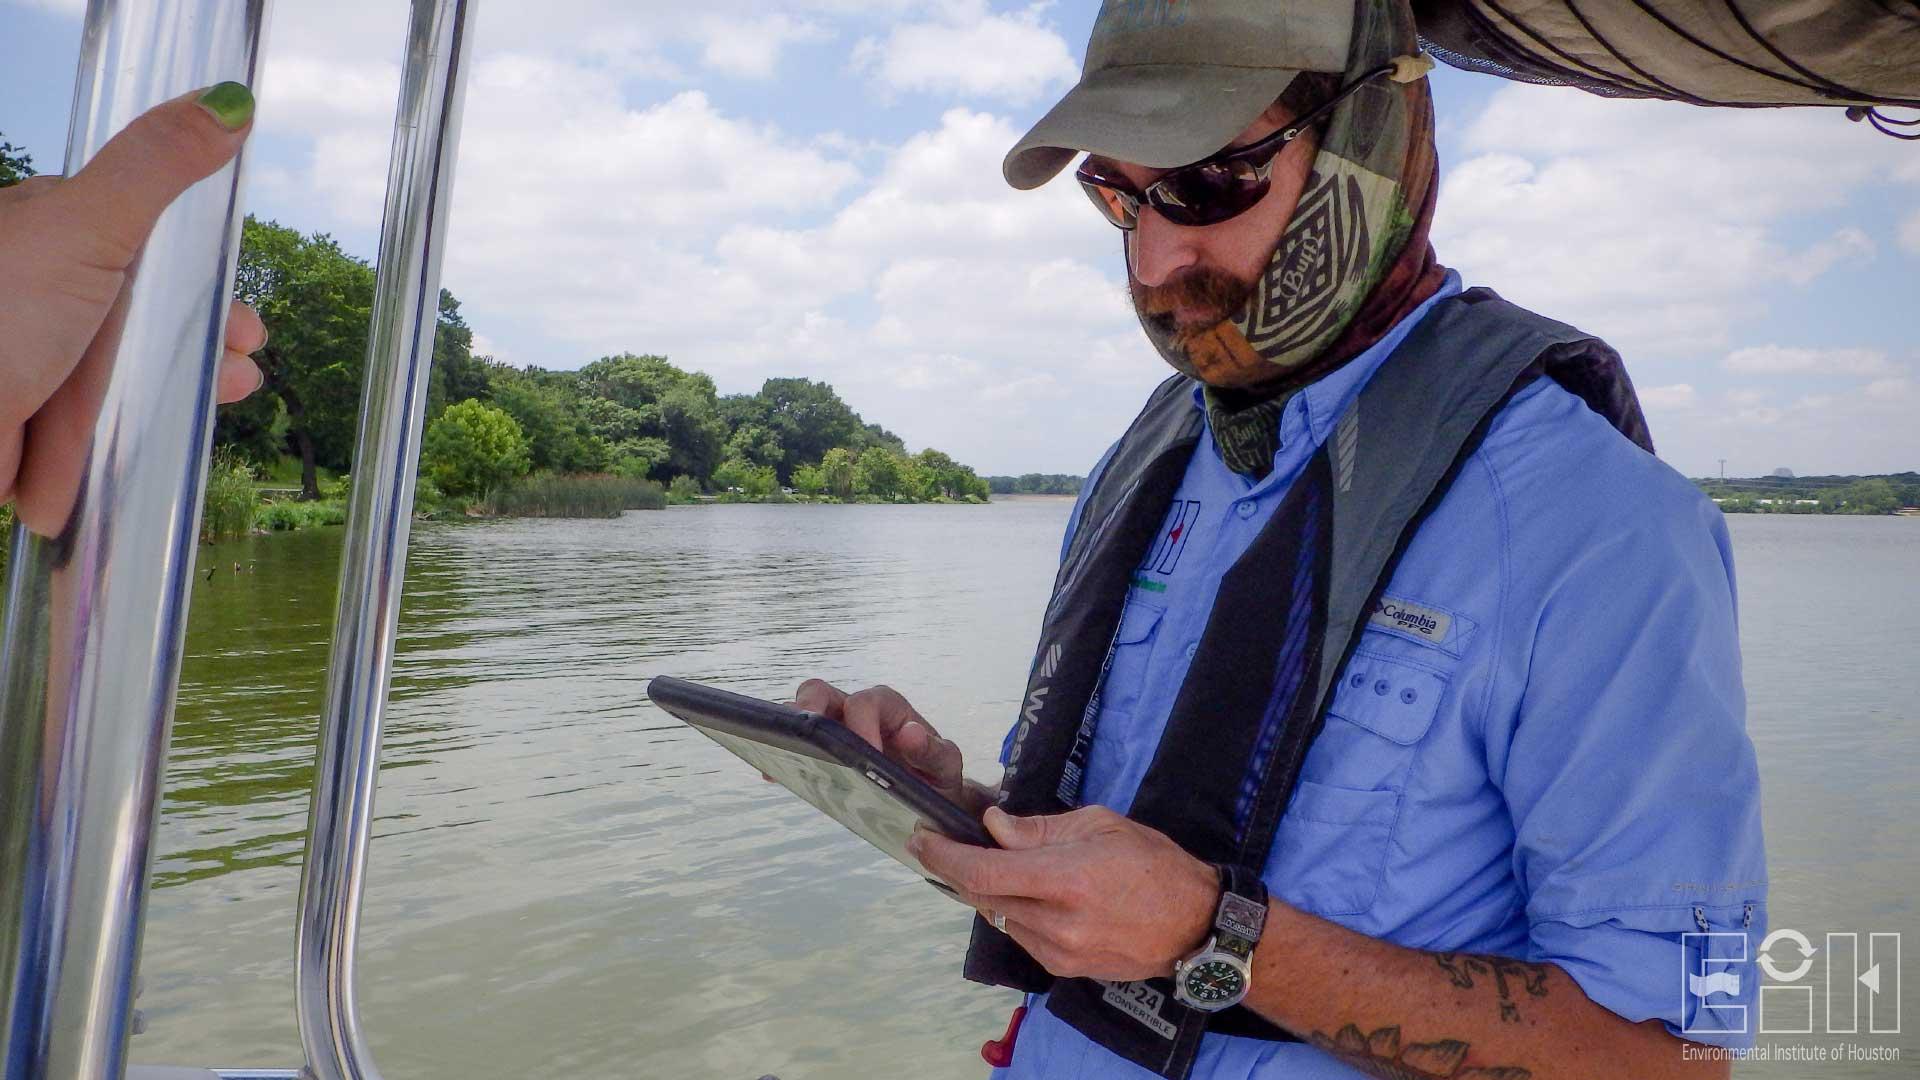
[999, 921]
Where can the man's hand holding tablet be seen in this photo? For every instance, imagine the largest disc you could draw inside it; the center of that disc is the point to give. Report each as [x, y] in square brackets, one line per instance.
[894, 727]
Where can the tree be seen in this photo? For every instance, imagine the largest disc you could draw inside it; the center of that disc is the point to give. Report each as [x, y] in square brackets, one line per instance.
[755, 443]
[810, 480]
[457, 373]
[678, 406]
[15, 164]
[640, 458]
[879, 473]
[731, 475]
[761, 482]
[809, 420]
[691, 425]
[317, 303]
[837, 469]
[684, 489]
[472, 448]
[558, 435]
[1874, 495]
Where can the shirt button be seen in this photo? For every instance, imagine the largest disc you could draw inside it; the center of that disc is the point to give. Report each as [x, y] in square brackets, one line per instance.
[1382, 687]
[1409, 696]
[1357, 681]
[1192, 649]
[1245, 509]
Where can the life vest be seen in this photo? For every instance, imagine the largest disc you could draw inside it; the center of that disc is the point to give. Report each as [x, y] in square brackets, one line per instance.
[1286, 619]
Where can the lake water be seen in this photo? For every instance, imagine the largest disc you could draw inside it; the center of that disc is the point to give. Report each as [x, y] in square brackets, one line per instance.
[566, 881]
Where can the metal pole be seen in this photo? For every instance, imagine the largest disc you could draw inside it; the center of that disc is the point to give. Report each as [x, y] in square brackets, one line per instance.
[373, 561]
[95, 616]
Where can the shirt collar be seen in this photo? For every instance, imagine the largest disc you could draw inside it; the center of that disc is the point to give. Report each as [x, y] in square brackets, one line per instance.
[1327, 398]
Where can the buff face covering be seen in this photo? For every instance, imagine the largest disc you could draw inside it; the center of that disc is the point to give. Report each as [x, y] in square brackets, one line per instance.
[1368, 195]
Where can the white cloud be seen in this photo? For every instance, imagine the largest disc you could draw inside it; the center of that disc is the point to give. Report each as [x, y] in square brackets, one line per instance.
[1659, 226]
[970, 51]
[1846, 245]
[1897, 390]
[751, 47]
[1910, 233]
[1674, 398]
[1866, 429]
[1781, 360]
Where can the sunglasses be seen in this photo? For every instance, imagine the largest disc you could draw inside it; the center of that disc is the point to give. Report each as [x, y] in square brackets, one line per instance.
[1214, 189]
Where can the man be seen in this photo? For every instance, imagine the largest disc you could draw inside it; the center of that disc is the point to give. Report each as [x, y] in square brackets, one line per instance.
[1387, 717]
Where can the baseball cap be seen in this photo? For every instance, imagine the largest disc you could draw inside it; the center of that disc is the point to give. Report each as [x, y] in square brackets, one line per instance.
[1168, 82]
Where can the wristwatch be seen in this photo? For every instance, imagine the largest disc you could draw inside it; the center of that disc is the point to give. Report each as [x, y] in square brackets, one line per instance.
[1220, 974]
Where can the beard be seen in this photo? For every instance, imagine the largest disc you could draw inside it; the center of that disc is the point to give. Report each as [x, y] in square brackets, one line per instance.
[1186, 308]
[1189, 319]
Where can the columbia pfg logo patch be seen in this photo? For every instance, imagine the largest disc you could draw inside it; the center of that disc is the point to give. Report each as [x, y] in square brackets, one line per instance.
[1428, 624]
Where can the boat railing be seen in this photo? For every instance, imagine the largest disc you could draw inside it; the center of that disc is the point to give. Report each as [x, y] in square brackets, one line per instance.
[96, 616]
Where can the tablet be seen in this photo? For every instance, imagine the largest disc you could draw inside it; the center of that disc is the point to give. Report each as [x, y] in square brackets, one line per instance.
[823, 762]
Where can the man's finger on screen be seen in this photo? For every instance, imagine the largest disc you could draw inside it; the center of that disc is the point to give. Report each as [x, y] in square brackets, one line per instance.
[876, 715]
[927, 752]
[820, 696]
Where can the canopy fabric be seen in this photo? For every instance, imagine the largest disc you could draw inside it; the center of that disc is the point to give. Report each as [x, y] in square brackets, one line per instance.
[1742, 53]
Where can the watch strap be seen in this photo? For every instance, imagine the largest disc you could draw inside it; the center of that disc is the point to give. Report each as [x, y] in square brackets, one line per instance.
[1242, 913]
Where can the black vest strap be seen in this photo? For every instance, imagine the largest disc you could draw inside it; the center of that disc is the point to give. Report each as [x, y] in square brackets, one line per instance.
[1284, 623]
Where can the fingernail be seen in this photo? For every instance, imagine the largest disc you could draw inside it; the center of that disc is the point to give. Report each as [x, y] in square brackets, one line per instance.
[259, 379]
[231, 103]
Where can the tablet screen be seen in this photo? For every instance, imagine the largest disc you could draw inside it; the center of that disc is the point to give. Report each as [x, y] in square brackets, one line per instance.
[836, 791]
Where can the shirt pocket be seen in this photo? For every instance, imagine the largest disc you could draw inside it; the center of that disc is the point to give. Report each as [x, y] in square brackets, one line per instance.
[1331, 847]
[1330, 851]
[1382, 708]
[1123, 743]
[1126, 678]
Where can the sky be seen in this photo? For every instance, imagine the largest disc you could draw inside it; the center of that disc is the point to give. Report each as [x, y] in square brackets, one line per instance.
[812, 188]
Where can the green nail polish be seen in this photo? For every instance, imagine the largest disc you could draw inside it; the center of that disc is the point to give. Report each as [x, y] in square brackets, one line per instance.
[231, 103]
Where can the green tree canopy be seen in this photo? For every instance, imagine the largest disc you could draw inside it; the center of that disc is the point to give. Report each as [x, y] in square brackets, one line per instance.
[878, 473]
[472, 448]
[838, 470]
[15, 164]
[635, 414]
[317, 303]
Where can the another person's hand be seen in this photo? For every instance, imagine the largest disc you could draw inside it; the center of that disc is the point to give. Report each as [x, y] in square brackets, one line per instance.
[66, 246]
[1088, 893]
[882, 717]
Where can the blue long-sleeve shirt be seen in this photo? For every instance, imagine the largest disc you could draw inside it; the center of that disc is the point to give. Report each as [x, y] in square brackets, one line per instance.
[1538, 749]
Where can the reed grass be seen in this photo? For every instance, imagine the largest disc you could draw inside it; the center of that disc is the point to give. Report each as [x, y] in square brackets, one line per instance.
[285, 516]
[597, 495]
[231, 503]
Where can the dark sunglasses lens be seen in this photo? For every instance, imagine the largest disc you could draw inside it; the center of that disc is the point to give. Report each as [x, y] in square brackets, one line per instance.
[1118, 208]
[1209, 193]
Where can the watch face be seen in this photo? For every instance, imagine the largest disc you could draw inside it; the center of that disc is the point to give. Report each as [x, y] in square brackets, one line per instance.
[1212, 981]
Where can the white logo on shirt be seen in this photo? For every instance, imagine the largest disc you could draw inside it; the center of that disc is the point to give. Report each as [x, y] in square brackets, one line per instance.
[1430, 624]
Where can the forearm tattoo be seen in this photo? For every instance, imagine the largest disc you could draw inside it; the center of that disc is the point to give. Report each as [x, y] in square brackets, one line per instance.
[1380, 1053]
[1461, 968]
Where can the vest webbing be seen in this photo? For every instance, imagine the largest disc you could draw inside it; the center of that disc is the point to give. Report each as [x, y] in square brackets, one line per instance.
[1292, 606]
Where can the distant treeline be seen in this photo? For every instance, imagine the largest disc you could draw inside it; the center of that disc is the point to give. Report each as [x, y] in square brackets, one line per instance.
[1034, 483]
[633, 416]
[1878, 494]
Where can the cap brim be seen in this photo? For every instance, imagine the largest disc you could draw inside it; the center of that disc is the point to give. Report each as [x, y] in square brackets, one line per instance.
[1157, 115]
